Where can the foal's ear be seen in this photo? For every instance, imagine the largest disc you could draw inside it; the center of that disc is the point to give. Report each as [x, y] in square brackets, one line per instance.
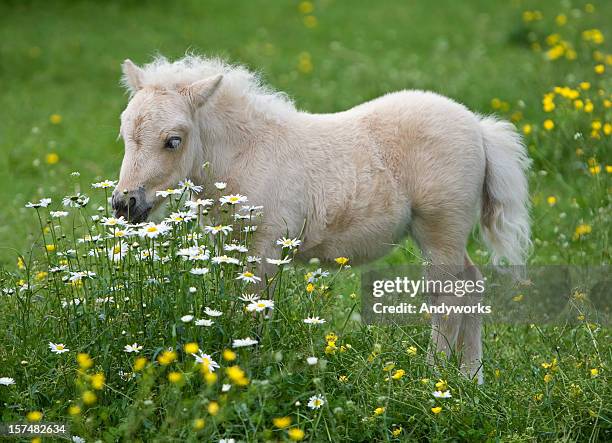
[200, 91]
[132, 76]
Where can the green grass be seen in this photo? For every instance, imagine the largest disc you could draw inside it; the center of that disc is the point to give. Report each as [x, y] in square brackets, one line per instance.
[64, 58]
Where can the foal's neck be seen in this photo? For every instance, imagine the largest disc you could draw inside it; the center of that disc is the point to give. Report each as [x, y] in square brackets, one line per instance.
[233, 130]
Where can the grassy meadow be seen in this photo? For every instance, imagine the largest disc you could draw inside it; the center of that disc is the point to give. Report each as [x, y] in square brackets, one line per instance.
[154, 333]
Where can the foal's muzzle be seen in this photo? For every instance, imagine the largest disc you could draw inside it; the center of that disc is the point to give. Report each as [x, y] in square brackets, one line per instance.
[131, 205]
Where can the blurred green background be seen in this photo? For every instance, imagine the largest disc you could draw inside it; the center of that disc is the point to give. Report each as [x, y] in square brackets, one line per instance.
[60, 69]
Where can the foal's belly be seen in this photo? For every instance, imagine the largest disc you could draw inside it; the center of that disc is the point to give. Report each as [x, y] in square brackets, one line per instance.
[362, 237]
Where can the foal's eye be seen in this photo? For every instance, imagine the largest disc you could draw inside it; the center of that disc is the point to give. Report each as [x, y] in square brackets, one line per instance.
[173, 142]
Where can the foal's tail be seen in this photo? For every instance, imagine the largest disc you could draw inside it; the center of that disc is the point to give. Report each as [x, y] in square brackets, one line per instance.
[505, 201]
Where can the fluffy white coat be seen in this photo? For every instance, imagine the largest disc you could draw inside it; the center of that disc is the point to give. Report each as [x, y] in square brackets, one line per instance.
[356, 182]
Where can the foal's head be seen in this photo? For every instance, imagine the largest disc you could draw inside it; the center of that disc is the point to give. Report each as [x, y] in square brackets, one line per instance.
[162, 142]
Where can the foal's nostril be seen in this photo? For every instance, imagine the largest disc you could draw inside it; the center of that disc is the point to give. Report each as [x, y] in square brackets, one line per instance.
[119, 205]
[130, 205]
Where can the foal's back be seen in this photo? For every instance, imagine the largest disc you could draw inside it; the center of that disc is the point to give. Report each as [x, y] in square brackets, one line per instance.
[404, 158]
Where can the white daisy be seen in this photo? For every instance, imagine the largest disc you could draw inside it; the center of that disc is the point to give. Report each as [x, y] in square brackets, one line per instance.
[316, 275]
[58, 348]
[95, 252]
[126, 376]
[199, 203]
[90, 238]
[186, 318]
[75, 201]
[248, 277]
[225, 259]
[278, 262]
[248, 229]
[235, 247]
[204, 322]
[253, 259]
[226, 387]
[152, 230]
[316, 401]
[220, 185]
[58, 214]
[251, 208]
[73, 302]
[212, 312]
[145, 254]
[181, 217]
[57, 269]
[442, 394]
[7, 381]
[168, 192]
[243, 342]
[312, 361]
[260, 305]
[134, 347]
[112, 221]
[194, 253]
[104, 184]
[79, 275]
[289, 242]
[103, 300]
[118, 252]
[121, 233]
[249, 298]
[218, 228]
[207, 361]
[199, 271]
[314, 321]
[43, 203]
[233, 199]
[188, 185]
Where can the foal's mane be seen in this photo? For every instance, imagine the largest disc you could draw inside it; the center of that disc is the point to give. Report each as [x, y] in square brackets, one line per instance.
[237, 81]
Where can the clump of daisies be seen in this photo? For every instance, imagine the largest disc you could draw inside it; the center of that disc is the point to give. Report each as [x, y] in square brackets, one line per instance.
[162, 289]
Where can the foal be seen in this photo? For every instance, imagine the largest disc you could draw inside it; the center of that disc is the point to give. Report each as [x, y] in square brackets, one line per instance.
[356, 181]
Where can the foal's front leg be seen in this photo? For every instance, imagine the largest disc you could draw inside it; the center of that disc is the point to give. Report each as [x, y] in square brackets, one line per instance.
[444, 327]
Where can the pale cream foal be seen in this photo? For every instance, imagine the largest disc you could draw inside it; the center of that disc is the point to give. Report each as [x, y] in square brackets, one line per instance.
[357, 182]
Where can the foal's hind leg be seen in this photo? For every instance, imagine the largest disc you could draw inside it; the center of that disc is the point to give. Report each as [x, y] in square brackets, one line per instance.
[442, 238]
[469, 342]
